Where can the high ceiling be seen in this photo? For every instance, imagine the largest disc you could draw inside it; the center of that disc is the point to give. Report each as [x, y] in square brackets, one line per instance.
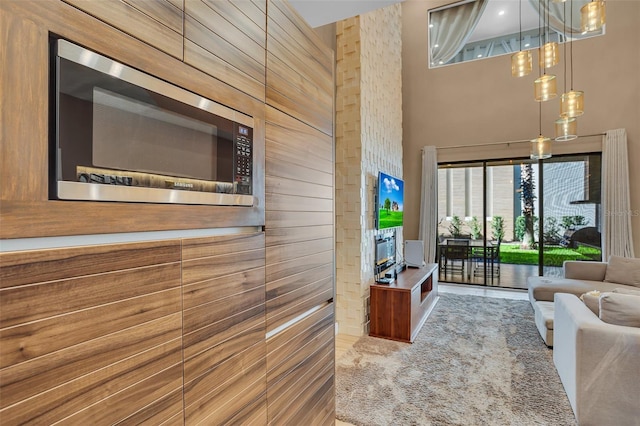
[322, 12]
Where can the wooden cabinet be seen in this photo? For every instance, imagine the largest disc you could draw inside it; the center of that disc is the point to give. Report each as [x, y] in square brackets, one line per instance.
[91, 335]
[222, 41]
[299, 222]
[212, 330]
[158, 23]
[399, 310]
[224, 349]
[25, 208]
[299, 69]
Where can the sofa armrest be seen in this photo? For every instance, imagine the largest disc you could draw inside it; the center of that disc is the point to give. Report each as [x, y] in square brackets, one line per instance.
[597, 362]
[584, 270]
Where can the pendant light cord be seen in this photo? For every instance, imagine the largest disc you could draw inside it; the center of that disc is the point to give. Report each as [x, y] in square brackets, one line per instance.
[546, 28]
[520, 16]
[540, 52]
[572, 30]
[564, 35]
[540, 115]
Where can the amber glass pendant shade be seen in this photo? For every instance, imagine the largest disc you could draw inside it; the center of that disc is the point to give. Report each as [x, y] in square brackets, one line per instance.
[521, 63]
[549, 55]
[540, 148]
[593, 16]
[566, 129]
[545, 88]
[572, 104]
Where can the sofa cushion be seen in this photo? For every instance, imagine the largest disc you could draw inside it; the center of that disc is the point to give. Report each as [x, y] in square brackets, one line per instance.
[620, 309]
[626, 290]
[543, 288]
[623, 270]
[543, 317]
[592, 301]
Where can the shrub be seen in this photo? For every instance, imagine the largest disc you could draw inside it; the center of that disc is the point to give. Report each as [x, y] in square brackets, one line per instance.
[520, 227]
[551, 233]
[476, 231]
[497, 228]
[455, 227]
[571, 222]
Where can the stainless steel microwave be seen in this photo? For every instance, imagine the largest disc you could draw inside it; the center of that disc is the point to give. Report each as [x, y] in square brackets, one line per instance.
[119, 134]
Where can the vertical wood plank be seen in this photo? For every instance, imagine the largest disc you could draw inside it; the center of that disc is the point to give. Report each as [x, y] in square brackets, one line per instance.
[23, 108]
[224, 328]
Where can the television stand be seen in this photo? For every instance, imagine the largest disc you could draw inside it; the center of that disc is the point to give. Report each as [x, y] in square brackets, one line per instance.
[399, 309]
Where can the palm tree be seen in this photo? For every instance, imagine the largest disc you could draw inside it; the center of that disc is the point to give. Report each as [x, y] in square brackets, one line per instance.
[526, 190]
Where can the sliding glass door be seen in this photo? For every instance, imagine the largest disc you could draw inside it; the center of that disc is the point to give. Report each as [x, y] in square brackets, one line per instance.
[517, 218]
[572, 216]
[462, 226]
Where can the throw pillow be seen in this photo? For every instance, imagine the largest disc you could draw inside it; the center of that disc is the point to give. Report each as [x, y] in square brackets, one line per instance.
[592, 301]
[620, 309]
[626, 291]
[623, 270]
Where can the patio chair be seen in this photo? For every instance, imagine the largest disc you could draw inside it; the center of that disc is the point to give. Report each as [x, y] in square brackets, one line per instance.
[492, 255]
[454, 256]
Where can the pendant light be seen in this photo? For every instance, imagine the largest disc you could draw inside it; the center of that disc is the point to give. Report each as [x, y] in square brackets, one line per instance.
[521, 63]
[566, 127]
[593, 16]
[549, 55]
[545, 85]
[572, 102]
[540, 146]
[549, 52]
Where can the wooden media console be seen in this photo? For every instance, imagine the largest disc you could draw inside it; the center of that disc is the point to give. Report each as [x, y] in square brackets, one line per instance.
[398, 310]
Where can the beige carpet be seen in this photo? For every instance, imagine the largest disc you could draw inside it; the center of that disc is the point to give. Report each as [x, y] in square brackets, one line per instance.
[477, 361]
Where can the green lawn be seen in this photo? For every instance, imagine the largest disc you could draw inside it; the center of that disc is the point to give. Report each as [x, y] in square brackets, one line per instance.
[553, 256]
[389, 218]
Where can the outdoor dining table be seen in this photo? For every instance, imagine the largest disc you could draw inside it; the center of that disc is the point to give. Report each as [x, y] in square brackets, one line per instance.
[467, 251]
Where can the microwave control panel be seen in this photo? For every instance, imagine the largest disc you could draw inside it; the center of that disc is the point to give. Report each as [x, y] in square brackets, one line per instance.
[243, 155]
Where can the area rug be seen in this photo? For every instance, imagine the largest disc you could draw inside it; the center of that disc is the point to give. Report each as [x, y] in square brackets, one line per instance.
[476, 361]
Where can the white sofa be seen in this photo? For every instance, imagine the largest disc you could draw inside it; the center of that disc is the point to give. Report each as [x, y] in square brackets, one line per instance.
[598, 363]
[579, 277]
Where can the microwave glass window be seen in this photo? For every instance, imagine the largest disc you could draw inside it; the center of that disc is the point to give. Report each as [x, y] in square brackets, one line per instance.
[109, 123]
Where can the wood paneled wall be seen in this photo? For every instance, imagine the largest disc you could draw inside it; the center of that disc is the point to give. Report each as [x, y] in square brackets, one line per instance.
[299, 222]
[91, 335]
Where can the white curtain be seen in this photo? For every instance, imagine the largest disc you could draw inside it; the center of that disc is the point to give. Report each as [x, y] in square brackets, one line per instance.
[451, 29]
[429, 203]
[616, 205]
[557, 13]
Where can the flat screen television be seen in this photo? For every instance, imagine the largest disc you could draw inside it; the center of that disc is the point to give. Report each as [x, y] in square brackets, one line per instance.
[390, 202]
